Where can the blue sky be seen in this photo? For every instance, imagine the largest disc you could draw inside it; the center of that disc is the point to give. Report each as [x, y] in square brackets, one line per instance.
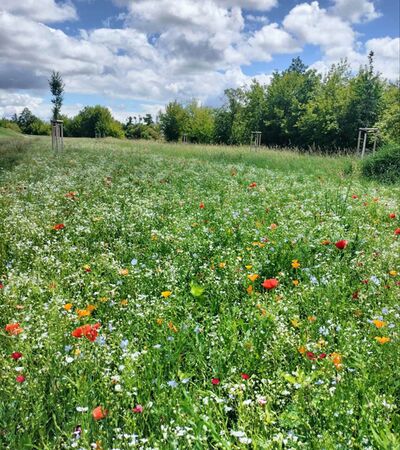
[136, 55]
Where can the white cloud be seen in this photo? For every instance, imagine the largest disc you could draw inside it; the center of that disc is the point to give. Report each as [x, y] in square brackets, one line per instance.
[14, 103]
[314, 25]
[47, 11]
[386, 56]
[355, 10]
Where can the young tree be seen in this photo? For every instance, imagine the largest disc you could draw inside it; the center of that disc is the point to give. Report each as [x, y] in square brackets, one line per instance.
[173, 121]
[57, 90]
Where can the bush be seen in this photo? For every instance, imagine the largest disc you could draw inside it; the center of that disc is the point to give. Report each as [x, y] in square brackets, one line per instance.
[384, 166]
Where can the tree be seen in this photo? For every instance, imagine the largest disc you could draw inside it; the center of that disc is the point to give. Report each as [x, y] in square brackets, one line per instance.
[199, 125]
[30, 124]
[173, 121]
[389, 121]
[57, 90]
[95, 119]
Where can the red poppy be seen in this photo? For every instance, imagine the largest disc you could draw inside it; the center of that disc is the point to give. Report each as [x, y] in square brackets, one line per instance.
[354, 196]
[311, 356]
[20, 379]
[271, 283]
[322, 356]
[99, 413]
[252, 185]
[201, 206]
[355, 295]
[13, 329]
[392, 215]
[215, 381]
[342, 244]
[397, 231]
[364, 281]
[16, 355]
[138, 409]
[58, 226]
[245, 376]
[89, 331]
[1, 285]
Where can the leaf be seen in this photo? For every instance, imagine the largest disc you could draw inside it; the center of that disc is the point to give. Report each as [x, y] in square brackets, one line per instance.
[196, 290]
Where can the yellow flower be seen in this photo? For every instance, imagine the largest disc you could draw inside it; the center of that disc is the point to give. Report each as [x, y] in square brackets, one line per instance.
[249, 267]
[91, 308]
[123, 302]
[379, 323]
[77, 351]
[154, 237]
[295, 282]
[159, 321]
[82, 312]
[382, 340]
[166, 294]
[393, 273]
[222, 265]
[103, 299]
[295, 264]
[295, 323]
[124, 272]
[250, 290]
[68, 306]
[253, 277]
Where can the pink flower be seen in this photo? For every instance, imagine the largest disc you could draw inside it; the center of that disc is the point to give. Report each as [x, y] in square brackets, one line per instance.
[245, 376]
[16, 355]
[138, 409]
[215, 381]
[20, 379]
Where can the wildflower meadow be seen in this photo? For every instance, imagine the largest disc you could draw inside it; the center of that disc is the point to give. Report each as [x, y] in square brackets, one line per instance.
[158, 296]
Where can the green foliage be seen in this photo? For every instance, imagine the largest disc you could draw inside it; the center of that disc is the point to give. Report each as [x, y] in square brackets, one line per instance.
[57, 90]
[30, 124]
[200, 123]
[389, 123]
[93, 120]
[10, 124]
[384, 166]
[173, 121]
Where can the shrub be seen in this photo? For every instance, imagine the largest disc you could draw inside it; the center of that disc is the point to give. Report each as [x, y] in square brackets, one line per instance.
[384, 166]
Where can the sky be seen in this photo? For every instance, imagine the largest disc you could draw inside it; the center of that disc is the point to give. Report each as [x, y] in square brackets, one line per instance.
[134, 56]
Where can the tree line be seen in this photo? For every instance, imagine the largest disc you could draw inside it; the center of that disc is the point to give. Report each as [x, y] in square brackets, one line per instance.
[298, 108]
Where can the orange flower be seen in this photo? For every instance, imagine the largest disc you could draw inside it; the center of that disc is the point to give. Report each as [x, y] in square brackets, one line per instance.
[222, 265]
[379, 323]
[337, 360]
[302, 349]
[159, 321]
[13, 329]
[311, 319]
[253, 277]
[99, 413]
[124, 302]
[325, 242]
[273, 226]
[58, 226]
[88, 331]
[91, 308]
[172, 327]
[250, 290]
[68, 306]
[295, 282]
[382, 340]
[295, 264]
[123, 272]
[82, 313]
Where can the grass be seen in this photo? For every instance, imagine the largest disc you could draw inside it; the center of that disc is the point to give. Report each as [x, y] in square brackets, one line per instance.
[162, 250]
[7, 133]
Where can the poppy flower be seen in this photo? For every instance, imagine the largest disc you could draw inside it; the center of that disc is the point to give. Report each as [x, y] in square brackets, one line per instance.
[138, 409]
[20, 379]
[322, 356]
[1, 285]
[379, 323]
[88, 331]
[311, 356]
[201, 206]
[271, 283]
[354, 196]
[252, 185]
[99, 413]
[342, 244]
[397, 231]
[245, 376]
[16, 355]
[392, 215]
[382, 340]
[13, 329]
[58, 226]
[354, 295]
[253, 277]
[215, 381]
[325, 242]
[337, 360]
